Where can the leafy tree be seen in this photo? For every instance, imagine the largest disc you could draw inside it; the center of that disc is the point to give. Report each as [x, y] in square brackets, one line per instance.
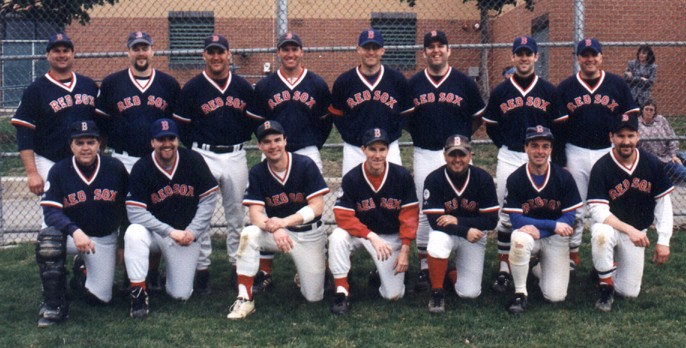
[60, 12]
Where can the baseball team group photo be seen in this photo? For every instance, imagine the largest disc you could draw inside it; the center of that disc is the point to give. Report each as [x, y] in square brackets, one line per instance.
[347, 204]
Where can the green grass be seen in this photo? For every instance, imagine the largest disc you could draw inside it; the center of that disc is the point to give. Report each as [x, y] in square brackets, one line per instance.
[284, 318]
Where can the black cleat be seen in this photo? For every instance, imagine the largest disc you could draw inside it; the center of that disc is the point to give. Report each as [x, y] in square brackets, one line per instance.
[50, 315]
[263, 282]
[502, 282]
[201, 283]
[518, 304]
[374, 279]
[153, 282]
[437, 302]
[139, 302]
[422, 283]
[79, 273]
[341, 304]
[607, 296]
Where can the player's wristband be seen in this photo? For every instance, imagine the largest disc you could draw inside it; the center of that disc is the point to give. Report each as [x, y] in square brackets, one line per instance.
[307, 213]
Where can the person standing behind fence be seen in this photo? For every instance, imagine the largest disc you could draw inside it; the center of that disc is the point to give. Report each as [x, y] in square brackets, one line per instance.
[652, 125]
[212, 110]
[371, 95]
[48, 107]
[446, 102]
[641, 73]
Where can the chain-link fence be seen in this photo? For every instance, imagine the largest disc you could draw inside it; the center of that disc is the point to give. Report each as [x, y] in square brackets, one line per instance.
[480, 34]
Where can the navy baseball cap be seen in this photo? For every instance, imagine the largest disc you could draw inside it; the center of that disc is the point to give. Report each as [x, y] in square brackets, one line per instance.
[589, 44]
[216, 40]
[138, 37]
[370, 36]
[373, 135]
[269, 127]
[59, 39]
[163, 127]
[435, 35]
[81, 129]
[538, 132]
[289, 37]
[457, 142]
[523, 42]
[626, 121]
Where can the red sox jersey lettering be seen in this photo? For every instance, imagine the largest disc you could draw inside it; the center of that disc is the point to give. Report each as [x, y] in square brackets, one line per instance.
[598, 99]
[536, 102]
[365, 205]
[455, 204]
[217, 103]
[283, 198]
[129, 102]
[443, 97]
[175, 190]
[538, 202]
[67, 101]
[383, 97]
[636, 183]
[285, 96]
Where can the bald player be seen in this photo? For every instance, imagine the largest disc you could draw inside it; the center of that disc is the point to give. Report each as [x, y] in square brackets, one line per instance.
[170, 203]
[627, 192]
[541, 201]
[212, 110]
[83, 207]
[461, 205]
[591, 100]
[525, 100]
[446, 102]
[371, 95]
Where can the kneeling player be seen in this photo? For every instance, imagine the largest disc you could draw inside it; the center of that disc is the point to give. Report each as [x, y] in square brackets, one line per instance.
[461, 204]
[376, 209]
[285, 199]
[628, 190]
[83, 207]
[542, 199]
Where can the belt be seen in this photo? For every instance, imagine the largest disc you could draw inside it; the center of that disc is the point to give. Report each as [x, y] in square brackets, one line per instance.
[219, 148]
[306, 228]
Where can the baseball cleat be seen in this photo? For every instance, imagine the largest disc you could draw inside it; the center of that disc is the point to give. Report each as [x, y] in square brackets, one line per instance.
[374, 279]
[78, 278]
[518, 304]
[52, 315]
[341, 304]
[422, 283]
[263, 282]
[502, 283]
[153, 281]
[139, 302]
[437, 302]
[607, 296]
[241, 309]
[201, 283]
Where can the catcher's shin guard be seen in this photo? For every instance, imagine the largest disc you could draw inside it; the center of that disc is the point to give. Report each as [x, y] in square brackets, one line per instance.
[51, 254]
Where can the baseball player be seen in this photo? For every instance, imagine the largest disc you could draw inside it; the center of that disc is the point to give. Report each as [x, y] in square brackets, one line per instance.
[461, 205]
[525, 100]
[84, 207]
[628, 190]
[129, 101]
[212, 110]
[541, 201]
[446, 102]
[297, 98]
[371, 95]
[591, 99]
[285, 199]
[170, 203]
[48, 107]
[377, 209]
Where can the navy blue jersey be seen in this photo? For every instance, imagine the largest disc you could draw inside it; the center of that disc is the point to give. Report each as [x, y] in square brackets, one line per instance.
[284, 195]
[471, 198]
[94, 204]
[556, 195]
[301, 107]
[215, 114]
[511, 110]
[48, 107]
[171, 196]
[442, 108]
[378, 209]
[359, 105]
[630, 192]
[591, 113]
[128, 108]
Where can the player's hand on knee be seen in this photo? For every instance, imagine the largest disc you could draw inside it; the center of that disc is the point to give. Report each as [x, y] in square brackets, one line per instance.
[82, 242]
[402, 262]
[274, 224]
[563, 229]
[639, 239]
[188, 238]
[283, 240]
[35, 183]
[474, 235]
[383, 250]
[178, 236]
[661, 254]
[445, 220]
[532, 231]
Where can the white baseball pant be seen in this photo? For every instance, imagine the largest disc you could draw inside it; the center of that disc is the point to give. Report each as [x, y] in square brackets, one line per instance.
[353, 155]
[100, 265]
[43, 166]
[231, 172]
[307, 254]
[181, 261]
[630, 258]
[580, 161]
[126, 159]
[553, 252]
[425, 161]
[469, 260]
[342, 245]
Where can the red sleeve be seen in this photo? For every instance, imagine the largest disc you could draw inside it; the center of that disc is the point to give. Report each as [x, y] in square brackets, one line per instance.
[409, 221]
[347, 220]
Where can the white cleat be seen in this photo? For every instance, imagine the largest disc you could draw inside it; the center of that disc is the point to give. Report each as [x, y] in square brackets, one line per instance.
[241, 309]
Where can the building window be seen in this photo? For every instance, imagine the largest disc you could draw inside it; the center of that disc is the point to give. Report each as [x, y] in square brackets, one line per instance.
[187, 30]
[398, 28]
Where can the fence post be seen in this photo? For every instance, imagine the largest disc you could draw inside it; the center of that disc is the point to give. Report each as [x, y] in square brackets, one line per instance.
[2, 219]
